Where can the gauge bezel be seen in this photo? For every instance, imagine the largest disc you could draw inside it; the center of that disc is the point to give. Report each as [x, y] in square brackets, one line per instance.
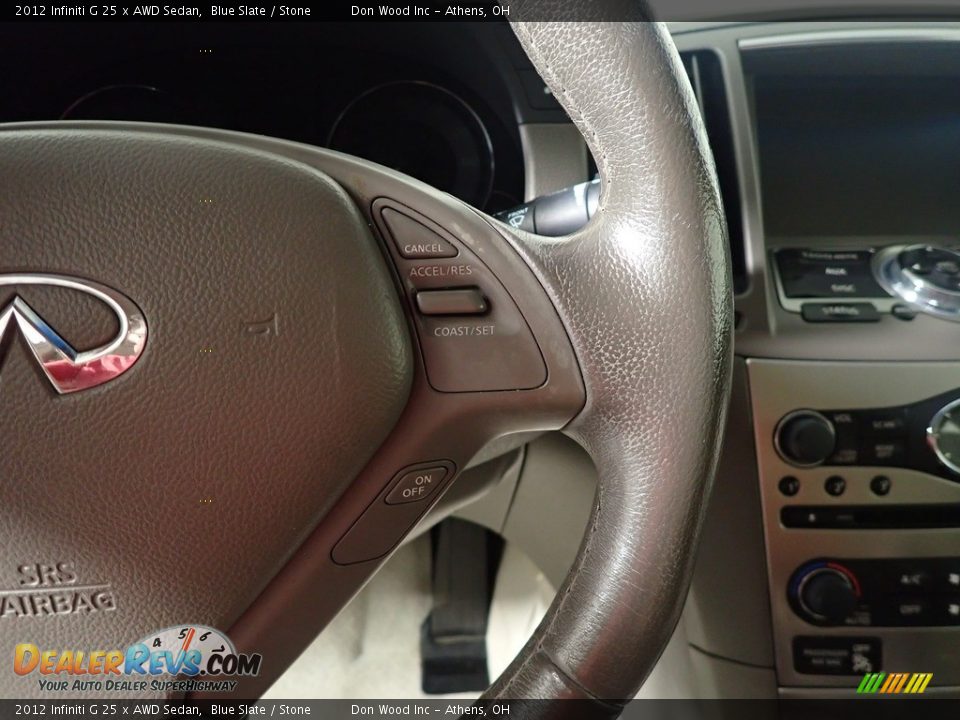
[469, 110]
[175, 103]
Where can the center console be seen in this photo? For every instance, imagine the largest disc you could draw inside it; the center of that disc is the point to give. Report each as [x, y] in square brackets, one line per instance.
[847, 139]
[858, 436]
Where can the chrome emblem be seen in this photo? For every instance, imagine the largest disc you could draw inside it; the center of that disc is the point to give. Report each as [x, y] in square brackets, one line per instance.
[69, 370]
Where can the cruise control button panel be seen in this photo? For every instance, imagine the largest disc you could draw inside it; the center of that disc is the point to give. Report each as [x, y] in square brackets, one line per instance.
[472, 335]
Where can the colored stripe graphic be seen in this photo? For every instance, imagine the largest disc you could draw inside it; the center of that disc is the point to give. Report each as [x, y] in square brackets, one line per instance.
[871, 683]
[894, 683]
[891, 681]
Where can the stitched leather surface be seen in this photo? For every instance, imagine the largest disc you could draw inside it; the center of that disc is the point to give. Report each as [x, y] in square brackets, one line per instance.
[646, 296]
[269, 428]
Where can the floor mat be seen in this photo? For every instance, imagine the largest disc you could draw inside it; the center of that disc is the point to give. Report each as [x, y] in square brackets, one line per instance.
[372, 649]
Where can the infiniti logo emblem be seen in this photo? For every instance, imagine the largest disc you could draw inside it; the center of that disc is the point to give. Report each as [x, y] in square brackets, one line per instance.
[67, 369]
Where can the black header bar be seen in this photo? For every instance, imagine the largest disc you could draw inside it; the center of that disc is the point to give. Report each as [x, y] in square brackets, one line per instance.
[478, 11]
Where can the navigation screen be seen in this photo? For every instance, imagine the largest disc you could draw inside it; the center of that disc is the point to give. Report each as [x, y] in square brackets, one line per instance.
[859, 155]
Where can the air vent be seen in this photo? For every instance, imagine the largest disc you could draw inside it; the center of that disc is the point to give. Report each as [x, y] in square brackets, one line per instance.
[706, 76]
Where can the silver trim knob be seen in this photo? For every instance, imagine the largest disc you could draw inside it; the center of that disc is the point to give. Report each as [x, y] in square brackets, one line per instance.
[804, 602]
[935, 431]
[911, 285]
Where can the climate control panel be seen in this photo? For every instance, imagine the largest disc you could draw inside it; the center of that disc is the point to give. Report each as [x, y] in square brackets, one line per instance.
[913, 592]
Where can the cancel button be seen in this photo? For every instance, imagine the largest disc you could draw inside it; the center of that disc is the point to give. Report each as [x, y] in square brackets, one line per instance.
[416, 485]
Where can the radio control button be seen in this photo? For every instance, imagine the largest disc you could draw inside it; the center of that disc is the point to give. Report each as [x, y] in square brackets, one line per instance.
[883, 452]
[844, 456]
[789, 486]
[839, 312]
[835, 485]
[827, 274]
[854, 286]
[880, 485]
[825, 257]
[892, 423]
[805, 438]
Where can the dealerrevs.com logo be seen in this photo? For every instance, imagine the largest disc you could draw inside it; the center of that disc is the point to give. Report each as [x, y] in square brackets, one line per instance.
[183, 658]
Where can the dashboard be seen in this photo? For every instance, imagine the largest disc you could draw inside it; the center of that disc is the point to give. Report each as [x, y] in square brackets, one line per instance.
[421, 102]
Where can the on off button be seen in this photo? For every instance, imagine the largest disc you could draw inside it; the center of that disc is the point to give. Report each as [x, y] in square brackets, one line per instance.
[416, 485]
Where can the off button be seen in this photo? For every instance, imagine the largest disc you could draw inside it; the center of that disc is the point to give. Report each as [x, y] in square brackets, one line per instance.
[416, 485]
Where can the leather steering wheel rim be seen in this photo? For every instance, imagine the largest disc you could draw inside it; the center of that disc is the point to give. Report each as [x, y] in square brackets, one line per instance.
[631, 319]
[645, 294]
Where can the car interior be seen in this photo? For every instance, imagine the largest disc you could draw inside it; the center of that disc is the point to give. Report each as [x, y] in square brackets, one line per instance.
[481, 360]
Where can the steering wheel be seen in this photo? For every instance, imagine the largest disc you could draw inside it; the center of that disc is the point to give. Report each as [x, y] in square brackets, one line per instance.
[239, 370]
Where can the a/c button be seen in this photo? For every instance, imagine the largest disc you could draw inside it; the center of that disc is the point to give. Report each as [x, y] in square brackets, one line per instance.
[416, 485]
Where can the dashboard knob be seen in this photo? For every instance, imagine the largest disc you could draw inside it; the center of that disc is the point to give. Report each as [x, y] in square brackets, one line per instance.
[827, 594]
[943, 436]
[805, 438]
[926, 277]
